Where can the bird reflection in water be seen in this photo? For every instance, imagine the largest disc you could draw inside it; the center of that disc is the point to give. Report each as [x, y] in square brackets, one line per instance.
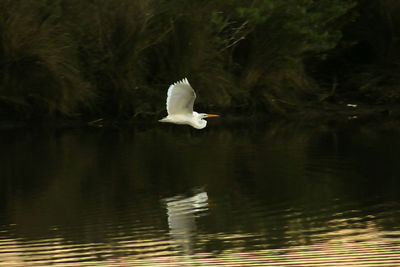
[182, 212]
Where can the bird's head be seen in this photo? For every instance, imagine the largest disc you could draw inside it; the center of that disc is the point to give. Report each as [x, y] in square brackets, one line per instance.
[200, 122]
[205, 115]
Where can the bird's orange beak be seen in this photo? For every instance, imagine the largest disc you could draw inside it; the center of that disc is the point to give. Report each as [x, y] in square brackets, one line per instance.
[212, 115]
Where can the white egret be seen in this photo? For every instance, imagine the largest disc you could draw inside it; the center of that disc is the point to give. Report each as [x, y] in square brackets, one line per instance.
[180, 101]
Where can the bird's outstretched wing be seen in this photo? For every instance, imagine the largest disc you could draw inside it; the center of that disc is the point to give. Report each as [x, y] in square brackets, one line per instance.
[180, 98]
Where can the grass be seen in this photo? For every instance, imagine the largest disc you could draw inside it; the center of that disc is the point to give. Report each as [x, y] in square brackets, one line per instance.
[40, 71]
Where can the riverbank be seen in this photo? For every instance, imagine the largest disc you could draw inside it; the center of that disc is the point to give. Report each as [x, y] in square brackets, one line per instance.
[318, 114]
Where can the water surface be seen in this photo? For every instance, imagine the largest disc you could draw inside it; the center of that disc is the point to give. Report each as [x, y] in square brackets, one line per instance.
[266, 194]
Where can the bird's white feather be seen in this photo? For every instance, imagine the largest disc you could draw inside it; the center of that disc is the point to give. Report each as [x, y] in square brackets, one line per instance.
[180, 98]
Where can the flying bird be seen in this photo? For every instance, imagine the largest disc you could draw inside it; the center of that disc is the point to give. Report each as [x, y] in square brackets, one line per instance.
[180, 101]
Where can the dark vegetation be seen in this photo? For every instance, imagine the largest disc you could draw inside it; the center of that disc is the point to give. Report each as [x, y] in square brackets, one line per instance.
[116, 59]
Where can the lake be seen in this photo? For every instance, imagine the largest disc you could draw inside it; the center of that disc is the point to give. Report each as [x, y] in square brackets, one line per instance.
[240, 194]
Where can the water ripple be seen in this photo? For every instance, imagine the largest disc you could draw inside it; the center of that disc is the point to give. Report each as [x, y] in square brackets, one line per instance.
[344, 245]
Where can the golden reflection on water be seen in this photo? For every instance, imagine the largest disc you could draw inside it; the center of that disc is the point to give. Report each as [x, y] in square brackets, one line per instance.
[346, 247]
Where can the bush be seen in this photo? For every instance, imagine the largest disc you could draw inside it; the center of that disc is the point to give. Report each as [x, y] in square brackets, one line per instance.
[369, 69]
[117, 58]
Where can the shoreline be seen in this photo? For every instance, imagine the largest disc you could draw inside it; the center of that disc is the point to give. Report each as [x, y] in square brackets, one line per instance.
[322, 114]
